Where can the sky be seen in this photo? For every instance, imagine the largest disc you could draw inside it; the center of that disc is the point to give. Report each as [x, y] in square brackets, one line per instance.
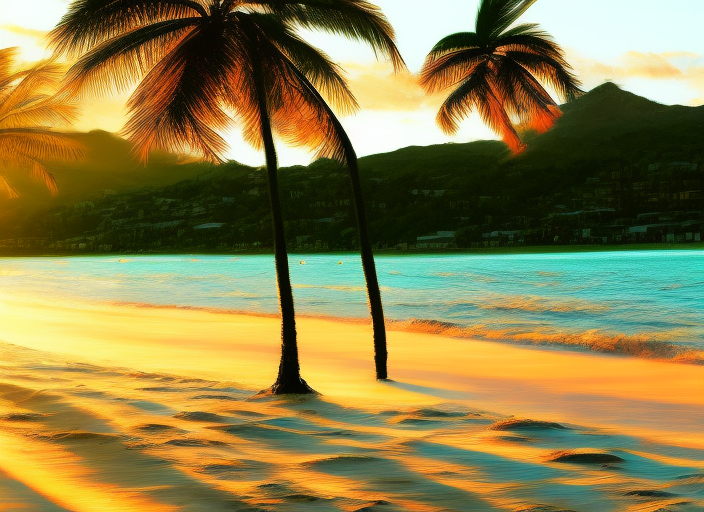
[652, 48]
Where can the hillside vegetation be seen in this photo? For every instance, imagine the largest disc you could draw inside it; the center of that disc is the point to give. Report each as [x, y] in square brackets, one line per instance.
[616, 168]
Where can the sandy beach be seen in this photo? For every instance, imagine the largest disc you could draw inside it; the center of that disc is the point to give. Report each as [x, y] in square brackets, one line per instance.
[114, 407]
[503, 196]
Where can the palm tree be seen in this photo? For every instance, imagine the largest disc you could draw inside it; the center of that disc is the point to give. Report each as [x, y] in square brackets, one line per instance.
[497, 71]
[201, 62]
[28, 113]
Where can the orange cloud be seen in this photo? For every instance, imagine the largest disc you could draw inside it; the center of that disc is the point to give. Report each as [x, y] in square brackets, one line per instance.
[632, 64]
[684, 67]
[38, 35]
[377, 87]
[676, 55]
[650, 65]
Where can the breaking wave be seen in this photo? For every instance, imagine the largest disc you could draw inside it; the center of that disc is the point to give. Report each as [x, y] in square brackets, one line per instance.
[542, 305]
[646, 345]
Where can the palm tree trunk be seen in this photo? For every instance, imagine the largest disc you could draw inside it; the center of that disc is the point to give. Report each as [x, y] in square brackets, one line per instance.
[289, 378]
[373, 292]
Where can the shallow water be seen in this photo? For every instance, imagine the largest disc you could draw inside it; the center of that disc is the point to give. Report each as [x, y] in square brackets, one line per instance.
[637, 302]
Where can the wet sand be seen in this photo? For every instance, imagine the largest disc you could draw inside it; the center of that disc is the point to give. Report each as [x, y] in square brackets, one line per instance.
[106, 407]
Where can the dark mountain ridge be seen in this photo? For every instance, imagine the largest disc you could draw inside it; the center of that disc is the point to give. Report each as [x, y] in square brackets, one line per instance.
[613, 163]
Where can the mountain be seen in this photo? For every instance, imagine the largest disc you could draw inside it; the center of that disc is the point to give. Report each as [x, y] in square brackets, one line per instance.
[109, 165]
[615, 168]
[609, 122]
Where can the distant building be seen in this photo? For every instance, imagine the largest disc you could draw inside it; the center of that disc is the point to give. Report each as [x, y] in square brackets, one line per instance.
[441, 240]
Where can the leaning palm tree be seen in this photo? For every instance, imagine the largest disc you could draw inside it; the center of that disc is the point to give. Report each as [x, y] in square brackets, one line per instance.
[199, 63]
[381, 37]
[497, 70]
[29, 113]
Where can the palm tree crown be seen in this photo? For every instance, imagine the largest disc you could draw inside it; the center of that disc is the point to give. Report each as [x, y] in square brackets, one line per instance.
[497, 70]
[28, 114]
[198, 60]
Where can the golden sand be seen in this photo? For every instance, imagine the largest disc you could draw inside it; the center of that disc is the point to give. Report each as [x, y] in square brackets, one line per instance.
[107, 407]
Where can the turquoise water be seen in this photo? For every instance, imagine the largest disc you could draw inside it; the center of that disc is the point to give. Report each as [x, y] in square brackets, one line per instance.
[604, 300]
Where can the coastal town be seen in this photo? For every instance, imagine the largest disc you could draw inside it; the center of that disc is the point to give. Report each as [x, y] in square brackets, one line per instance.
[656, 203]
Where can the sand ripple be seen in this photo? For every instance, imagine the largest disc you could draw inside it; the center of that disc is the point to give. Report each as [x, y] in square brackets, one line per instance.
[115, 440]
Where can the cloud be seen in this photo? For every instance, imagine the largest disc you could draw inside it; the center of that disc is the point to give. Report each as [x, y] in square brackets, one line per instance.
[37, 35]
[650, 65]
[377, 87]
[673, 77]
[676, 55]
[629, 65]
[31, 43]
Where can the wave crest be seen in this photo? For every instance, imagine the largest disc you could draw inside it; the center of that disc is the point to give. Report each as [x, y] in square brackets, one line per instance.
[649, 346]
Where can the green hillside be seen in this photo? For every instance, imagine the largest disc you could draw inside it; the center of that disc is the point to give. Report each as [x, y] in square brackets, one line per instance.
[109, 165]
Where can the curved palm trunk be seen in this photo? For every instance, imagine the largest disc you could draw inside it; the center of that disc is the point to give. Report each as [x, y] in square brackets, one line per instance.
[289, 378]
[373, 292]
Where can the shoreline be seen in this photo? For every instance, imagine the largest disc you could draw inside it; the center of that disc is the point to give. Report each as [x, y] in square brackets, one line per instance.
[617, 345]
[536, 249]
[168, 339]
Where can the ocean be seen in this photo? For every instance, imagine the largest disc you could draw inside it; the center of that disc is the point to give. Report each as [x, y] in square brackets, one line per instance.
[641, 303]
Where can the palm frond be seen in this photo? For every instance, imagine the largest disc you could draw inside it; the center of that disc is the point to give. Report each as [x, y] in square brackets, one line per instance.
[358, 20]
[7, 188]
[28, 112]
[41, 111]
[524, 96]
[309, 121]
[178, 105]
[41, 173]
[495, 16]
[478, 93]
[462, 100]
[39, 144]
[492, 111]
[314, 64]
[510, 12]
[89, 23]
[448, 70]
[7, 62]
[533, 41]
[117, 63]
[41, 78]
[455, 42]
[523, 28]
[550, 71]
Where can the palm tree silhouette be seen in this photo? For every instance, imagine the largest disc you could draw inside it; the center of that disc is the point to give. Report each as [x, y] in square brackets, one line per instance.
[199, 61]
[28, 114]
[497, 71]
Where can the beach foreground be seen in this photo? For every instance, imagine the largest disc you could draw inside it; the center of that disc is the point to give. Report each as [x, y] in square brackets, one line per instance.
[124, 408]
